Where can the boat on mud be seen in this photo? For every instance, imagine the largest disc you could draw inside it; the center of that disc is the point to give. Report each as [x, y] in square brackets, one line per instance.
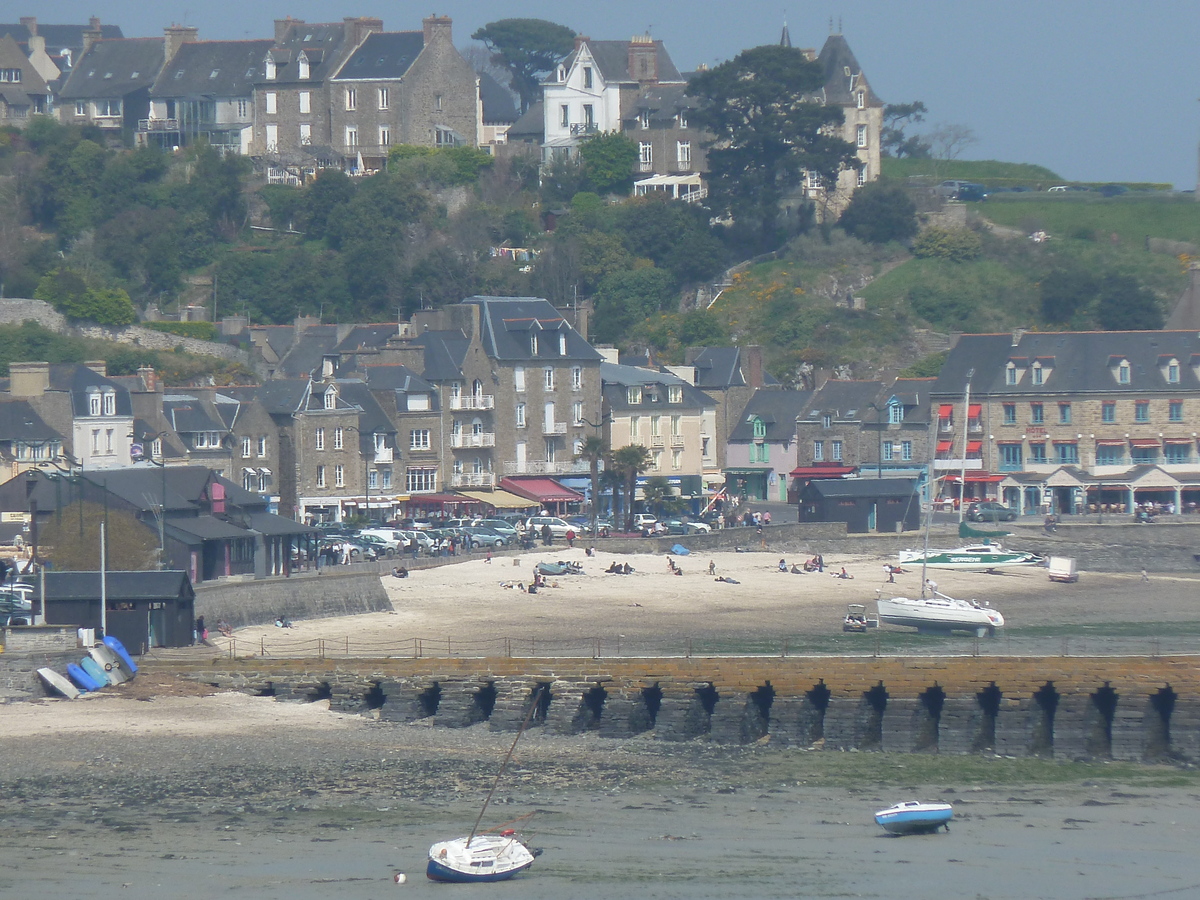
[940, 613]
[914, 817]
[971, 558]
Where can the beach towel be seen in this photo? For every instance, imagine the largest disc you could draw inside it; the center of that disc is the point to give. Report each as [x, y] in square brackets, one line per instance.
[680, 550]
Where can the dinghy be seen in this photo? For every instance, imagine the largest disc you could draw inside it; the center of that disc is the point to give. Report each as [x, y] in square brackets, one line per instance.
[914, 817]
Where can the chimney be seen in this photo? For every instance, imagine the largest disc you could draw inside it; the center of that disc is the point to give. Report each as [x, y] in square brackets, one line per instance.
[435, 25]
[1017, 334]
[30, 23]
[91, 35]
[754, 365]
[691, 354]
[176, 36]
[357, 28]
[643, 59]
[304, 322]
[28, 379]
[281, 27]
[99, 366]
[580, 40]
[149, 379]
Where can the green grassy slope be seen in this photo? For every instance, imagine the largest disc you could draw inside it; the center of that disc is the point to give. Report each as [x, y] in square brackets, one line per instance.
[983, 170]
[1131, 218]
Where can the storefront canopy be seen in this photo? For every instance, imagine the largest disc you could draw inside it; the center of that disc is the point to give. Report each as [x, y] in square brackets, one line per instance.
[1143, 442]
[943, 446]
[499, 499]
[821, 471]
[436, 499]
[541, 490]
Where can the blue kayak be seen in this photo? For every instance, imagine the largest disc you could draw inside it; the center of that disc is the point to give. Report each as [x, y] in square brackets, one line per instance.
[122, 654]
[82, 679]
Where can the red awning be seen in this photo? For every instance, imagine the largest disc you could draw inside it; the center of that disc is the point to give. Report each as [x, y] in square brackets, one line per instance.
[437, 499]
[974, 410]
[1178, 440]
[1110, 442]
[1143, 442]
[943, 446]
[821, 471]
[974, 446]
[945, 411]
[542, 490]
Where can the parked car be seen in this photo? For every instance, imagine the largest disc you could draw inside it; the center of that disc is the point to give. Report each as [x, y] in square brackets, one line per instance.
[969, 191]
[388, 537]
[678, 526]
[558, 527]
[1057, 189]
[990, 511]
[480, 536]
[424, 541]
[948, 190]
[508, 529]
[1112, 190]
[642, 521]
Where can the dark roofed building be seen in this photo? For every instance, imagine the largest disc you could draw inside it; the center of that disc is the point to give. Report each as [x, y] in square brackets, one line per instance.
[881, 505]
[144, 609]
[109, 86]
[761, 452]
[23, 91]
[52, 49]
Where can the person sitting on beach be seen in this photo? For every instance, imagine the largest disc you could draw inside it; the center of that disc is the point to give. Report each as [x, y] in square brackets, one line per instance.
[282, 622]
[796, 570]
[399, 572]
[678, 570]
[590, 551]
[670, 565]
[810, 565]
[224, 628]
[614, 569]
[783, 565]
[627, 569]
[843, 574]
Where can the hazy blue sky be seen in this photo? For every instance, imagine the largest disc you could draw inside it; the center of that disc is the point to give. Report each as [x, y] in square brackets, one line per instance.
[1097, 90]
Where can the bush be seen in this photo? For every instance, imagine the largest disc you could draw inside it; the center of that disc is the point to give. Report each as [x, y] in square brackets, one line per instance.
[880, 212]
[67, 292]
[954, 244]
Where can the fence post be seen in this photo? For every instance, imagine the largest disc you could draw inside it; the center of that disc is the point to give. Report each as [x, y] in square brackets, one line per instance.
[262, 645]
[689, 648]
[418, 646]
[783, 653]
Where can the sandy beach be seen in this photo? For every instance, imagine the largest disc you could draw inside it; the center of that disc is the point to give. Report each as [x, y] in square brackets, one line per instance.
[164, 789]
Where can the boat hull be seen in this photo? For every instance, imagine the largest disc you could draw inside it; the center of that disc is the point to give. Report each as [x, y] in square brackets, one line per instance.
[488, 859]
[939, 614]
[915, 818]
[969, 559]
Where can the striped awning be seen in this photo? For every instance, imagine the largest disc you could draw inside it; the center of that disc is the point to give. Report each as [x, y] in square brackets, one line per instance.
[499, 499]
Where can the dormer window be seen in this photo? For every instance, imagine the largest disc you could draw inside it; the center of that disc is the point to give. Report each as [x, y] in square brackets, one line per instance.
[533, 345]
[675, 393]
[633, 395]
[270, 70]
[1011, 374]
[331, 399]
[1039, 375]
[1123, 372]
[644, 118]
[683, 120]
[302, 66]
[760, 429]
[562, 73]
[895, 412]
[826, 421]
[94, 404]
[110, 403]
[1171, 371]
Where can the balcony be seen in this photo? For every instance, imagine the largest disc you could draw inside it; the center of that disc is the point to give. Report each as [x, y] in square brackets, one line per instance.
[384, 455]
[473, 480]
[580, 128]
[150, 125]
[542, 467]
[481, 439]
[677, 440]
[473, 401]
[554, 428]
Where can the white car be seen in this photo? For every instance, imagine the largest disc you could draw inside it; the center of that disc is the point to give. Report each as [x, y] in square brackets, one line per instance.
[1057, 189]
[558, 527]
[644, 520]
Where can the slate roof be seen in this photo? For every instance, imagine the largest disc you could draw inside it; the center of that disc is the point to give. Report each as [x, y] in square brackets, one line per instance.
[612, 59]
[283, 396]
[12, 57]
[121, 586]
[322, 43]
[664, 102]
[372, 419]
[530, 125]
[616, 379]
[835, 57]
[396, 378]
[111, 69]
[444, 354]
[189, 414]
[844, 400]
[368, 337]
[212, 69]
[777, 410]
[58, 37]
[383, 55]
[861, 487]
[77, 379]
[506, 324]
[720, 368]
[308, 349]
[1081, 362]
[20, 422]
[913, 394]
[499, 108]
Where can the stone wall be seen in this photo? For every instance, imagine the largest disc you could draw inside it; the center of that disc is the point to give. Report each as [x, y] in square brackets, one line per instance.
[19, 679]
[332, 591]
[16, 311]
[1134, 708]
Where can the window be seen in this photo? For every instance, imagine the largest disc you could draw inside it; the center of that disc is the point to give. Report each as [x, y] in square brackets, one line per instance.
[644, 118]
[577, 412]
[587, 76]
[262, 446]
[302, 69]
[676, 459]
[110, 403]
[633, 395]
[895, 413]
[155, 449]
[305, 134]
[337, 438]
[906, 451]
[564, 118]
[1064, 414]
[418, 439]
[1066, 454]
[108, 441]
[635, 427]
[271, 101]
[577, 378]
[242, 109]
[1175, 411]
[1177, 453]
[110, 109]
[1037, 453]
[818, 451]
[339, 476]
[420, 480]
[437, 102]
[520, 415]
[331, 399]
[1141, 455]
[11, 76]
[384, 97]
[646, 155]
[93, 404]
[682, 117]
[759, 428]
[1010, 414]
[1173, 372]
[1010, 374]
[826, 421]
[248, 481]
[656, 459]
[1108, 412]
[1010, 457]
[675, 393]
[1141, 411]
[683, 153]
[1123, 373]
[80, 108]
[533, 345]
[889, 450]
[373, 479]
[320, 476]
[1038, 374]
[272, 137]
[319, 439]
[861, 179]
[305, 102]
[385, 135]
[676, 426]
[861, 140]
[860, 100]
[1036, 414]
[562, 343]
[270, 70]
[835, 450]
[654, 426]
[95, 442]
[551, 450]
[245, 448]
[387, 479]
[351, 98]
[519, 378]
[1109, 455]
[351, 136]
[549, 374]
[589, 117]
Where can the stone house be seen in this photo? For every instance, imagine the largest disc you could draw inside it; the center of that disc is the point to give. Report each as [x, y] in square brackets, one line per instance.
[25, 438]
[23, 91]
[405, 87]
[1072, 421]
[671, 152]
[762, 450]
[831, 430]
[204, 92]
[52, 49]
[109, 86]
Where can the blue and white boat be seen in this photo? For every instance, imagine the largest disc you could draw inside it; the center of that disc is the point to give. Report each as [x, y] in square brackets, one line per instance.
[914, 817]
[479, 858]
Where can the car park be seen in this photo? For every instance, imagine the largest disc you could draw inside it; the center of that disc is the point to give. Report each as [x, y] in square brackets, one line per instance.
[424, 541]
[990, 511]
[642, 521]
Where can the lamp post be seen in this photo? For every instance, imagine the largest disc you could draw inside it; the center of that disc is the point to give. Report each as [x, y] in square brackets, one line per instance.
[151, 437]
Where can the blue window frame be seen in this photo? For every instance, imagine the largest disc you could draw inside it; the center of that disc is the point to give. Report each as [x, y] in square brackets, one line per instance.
[1010, 458]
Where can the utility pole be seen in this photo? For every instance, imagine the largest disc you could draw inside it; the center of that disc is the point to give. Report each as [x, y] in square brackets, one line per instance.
[962, 483]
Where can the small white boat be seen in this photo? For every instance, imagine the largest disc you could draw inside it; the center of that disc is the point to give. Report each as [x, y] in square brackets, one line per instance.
[914, 817]
[971, 558]
[940, 613]
[481, 858]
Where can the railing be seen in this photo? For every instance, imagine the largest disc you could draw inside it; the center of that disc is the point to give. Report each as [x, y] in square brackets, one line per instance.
[473, 401]
[554, 428]
[472, 439]
[677, 440]
[473, 479]
[541, 467]
[656, 440]
[145, 125]
[584, 128]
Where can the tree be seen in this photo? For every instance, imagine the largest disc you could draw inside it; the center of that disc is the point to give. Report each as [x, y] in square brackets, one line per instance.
[630, 461]
[954, 244]
[768, 129]
[1125, 305]
[893, 141]
[607, 160]
[527, 48]
[71, 539]
[627, 297]
[660, 498]
[880, 212]
[593, 450]
[1065, 292]
[948, 141]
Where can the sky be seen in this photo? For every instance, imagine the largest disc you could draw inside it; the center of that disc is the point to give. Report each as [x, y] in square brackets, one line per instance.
[1095, 90]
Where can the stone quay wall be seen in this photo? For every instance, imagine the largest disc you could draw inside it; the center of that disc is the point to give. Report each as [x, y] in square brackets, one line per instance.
[331, 591]
[1120, 708]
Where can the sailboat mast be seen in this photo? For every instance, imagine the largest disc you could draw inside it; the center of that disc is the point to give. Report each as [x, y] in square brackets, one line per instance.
[504, 765]
[962, 479]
